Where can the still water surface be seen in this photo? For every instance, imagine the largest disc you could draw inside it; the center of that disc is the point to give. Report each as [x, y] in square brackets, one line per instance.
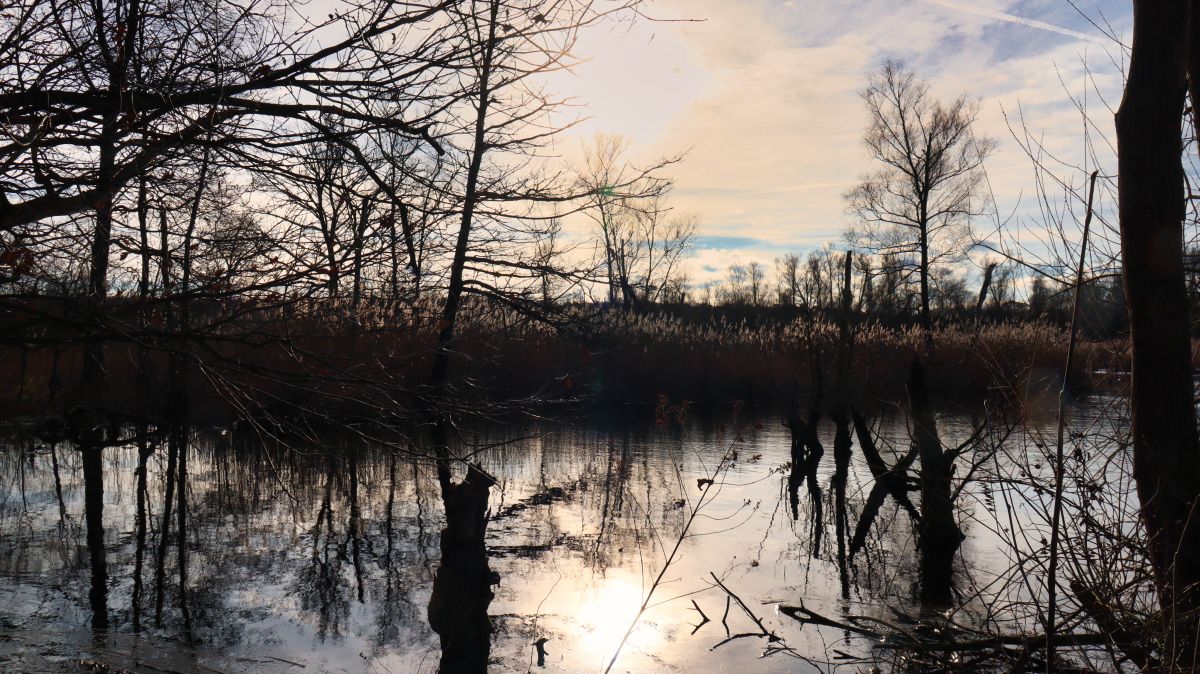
[306, 559]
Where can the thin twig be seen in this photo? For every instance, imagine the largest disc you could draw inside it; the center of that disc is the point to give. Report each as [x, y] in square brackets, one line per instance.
[1056, 518]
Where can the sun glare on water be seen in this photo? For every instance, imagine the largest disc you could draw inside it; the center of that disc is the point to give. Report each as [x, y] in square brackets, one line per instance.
[606, 612]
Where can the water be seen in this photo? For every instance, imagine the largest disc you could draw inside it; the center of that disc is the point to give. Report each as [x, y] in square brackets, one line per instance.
[325, 556]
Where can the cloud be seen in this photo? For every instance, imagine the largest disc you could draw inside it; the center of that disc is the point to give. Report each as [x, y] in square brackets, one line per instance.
[764, 96]
[1018, 20]
[731, 242]
[797, 188]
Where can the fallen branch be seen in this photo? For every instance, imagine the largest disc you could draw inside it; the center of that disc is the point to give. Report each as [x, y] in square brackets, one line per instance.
[943, 638]
[703, 618]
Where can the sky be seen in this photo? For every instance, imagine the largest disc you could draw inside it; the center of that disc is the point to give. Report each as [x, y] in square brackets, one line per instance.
[763, 97]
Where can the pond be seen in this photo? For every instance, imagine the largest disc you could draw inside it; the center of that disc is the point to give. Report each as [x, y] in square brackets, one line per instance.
[322, 557]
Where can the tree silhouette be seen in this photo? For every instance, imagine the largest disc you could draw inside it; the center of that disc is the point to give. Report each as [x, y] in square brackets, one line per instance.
[919, 205]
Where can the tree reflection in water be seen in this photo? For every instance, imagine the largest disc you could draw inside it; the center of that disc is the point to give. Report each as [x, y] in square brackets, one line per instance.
[462, 588]
[345, 553]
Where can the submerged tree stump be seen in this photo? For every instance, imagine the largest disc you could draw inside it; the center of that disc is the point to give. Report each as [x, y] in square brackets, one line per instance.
[938, 534]
[462, 587]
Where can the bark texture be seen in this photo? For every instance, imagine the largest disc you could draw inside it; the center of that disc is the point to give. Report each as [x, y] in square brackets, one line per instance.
[1151, 191]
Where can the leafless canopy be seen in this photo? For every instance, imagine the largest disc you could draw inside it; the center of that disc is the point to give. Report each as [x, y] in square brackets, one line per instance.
[920, 203]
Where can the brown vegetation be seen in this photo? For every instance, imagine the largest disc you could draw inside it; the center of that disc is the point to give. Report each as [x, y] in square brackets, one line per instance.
[296, 356]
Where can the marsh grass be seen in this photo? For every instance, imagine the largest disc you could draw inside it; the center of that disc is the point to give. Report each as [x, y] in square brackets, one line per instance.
[378, 356]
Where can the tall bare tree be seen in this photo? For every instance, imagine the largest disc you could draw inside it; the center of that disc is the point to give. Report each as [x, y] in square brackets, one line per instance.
[506, 202]
[1166, 448]
[920, 203]
[626, 203]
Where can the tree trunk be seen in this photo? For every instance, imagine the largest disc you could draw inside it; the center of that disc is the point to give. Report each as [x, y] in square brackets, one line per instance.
[92, 375]
[360, 233]
[454, 290]
[394, 263]
[983, 289]
[414, 260]
[926, 318]
[841, 420]
[462, 586]
[92, 379]
[181, 531]
[1151, 195]
[62, 505]
[144, 452]
[143, 212]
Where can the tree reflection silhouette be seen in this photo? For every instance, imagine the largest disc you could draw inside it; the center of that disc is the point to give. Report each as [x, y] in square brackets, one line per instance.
[462, 588]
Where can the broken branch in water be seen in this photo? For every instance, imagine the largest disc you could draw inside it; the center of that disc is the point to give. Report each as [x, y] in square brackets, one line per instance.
[703, 618]
[775, 643]
[771, 636]
[945, 643]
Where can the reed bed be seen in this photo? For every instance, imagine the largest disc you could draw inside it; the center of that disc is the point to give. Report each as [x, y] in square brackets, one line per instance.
[279, 354]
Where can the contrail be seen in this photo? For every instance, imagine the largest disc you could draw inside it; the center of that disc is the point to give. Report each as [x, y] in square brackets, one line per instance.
[1019, 20]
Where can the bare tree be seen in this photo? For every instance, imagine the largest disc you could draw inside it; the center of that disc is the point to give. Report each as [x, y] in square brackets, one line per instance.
[921, 202]
[1002, 288]
[787, 270]
[505, 202]
[321, 194]
[547, 248]
[665, 240]
[755, 275]
[949, 289]
[737, 287]
[627, 205]
[1166, 448]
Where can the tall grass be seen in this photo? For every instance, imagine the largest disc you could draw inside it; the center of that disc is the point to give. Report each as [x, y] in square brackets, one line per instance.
[327, 354]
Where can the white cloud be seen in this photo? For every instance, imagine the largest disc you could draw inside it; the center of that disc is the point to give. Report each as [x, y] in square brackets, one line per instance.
[764, 94]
